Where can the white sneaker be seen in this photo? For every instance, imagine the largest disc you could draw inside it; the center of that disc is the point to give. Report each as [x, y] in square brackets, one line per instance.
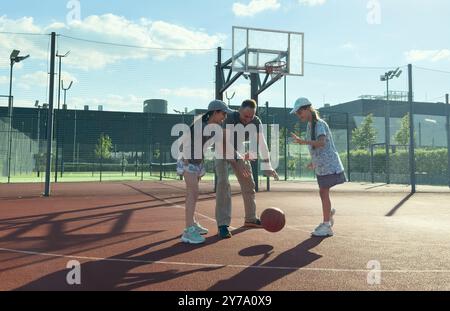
[200, 229]
[191, 236]
[323, 230]
[333, 212]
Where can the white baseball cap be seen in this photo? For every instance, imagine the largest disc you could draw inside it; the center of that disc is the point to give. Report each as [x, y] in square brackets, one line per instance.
[300, 103]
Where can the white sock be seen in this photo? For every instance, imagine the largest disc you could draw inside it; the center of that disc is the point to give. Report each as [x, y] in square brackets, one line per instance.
[327, 223]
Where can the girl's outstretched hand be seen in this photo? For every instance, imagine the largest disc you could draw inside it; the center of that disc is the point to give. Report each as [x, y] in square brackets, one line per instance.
[298, 140]
[311, 166]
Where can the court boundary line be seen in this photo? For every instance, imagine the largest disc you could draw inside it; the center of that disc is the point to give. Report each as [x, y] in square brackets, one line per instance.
[235, 266]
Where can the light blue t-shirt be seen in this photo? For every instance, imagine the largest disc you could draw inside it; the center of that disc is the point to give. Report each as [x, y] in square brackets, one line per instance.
[326, 159]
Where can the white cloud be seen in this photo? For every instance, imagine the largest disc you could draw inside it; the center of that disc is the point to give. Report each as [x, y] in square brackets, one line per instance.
[427, 55]
[56, 26]
[24, 24]
[255, 7]
[311, 2]
[149, 39]
[159, 40]
[4, 80]
[35, 45]
[240, 90]
[36, 79]
[348, 46]
[39, 79]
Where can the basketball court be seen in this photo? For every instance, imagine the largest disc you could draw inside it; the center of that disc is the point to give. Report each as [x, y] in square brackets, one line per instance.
[126, 236]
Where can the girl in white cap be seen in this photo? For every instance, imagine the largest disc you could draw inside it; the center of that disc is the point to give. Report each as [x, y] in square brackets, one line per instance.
[325, 160]
[191, 167]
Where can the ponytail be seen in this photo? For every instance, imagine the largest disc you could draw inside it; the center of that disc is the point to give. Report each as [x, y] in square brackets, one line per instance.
[206, 116]
[203, 118]
[315, 118]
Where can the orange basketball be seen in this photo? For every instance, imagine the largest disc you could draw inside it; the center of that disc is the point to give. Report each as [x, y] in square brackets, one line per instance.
[273, 219]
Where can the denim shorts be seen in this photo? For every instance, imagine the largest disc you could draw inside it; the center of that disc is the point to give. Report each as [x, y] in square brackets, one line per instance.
[197, 169]
[329, 181]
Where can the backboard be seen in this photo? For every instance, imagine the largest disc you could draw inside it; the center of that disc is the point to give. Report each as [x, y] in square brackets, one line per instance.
[253, 48]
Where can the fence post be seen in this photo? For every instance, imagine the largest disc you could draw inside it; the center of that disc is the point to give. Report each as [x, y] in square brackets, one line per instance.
[448, 136]
[160, 165]
[412, 159]
[372, 178]
[50, 114]
[142, 148]
[347, 118]
[268, 141]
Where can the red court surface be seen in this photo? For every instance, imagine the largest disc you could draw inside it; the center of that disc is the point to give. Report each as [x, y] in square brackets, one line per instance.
[126, 235]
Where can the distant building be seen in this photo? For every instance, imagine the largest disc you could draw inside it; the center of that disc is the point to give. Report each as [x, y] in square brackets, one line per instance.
[100, 108]
[86, 108]
[155, 106]
[429, 118]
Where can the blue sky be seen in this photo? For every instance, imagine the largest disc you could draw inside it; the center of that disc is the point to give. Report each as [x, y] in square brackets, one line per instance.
[346, 32]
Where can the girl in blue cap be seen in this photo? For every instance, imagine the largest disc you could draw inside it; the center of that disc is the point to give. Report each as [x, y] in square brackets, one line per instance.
[325, 160]
[191, 168]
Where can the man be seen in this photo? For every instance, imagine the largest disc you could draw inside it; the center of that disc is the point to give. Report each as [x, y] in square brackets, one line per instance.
[242, 169]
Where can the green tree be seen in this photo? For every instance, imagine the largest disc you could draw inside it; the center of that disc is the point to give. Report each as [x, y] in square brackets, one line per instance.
[282, 138]
[156, 154]
[402, 135]
[364, 136]
[103, 147]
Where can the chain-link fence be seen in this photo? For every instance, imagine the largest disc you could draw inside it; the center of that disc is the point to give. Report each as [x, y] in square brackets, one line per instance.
[369, 117]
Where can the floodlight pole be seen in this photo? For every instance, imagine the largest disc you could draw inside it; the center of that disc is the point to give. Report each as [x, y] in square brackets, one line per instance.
[14, 58]
[387, 118]
[57, 115]
[50, 115]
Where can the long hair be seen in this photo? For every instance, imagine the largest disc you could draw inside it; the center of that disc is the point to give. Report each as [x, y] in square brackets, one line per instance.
[315, 118]
[204, 118]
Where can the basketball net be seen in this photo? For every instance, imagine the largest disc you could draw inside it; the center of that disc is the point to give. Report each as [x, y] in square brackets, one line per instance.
[275, 68]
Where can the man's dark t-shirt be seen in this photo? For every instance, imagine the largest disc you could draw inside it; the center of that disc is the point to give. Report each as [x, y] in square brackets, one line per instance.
[234, 119]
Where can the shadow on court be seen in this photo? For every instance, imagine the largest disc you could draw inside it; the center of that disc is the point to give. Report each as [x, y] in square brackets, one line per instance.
[114, 273]
[253, 279]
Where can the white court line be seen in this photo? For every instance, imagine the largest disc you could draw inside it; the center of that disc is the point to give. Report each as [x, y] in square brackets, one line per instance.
[196, 264]
[373, 240]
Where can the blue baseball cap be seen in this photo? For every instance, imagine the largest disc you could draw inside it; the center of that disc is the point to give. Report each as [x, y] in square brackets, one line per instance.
[218, 105]
[300, 103]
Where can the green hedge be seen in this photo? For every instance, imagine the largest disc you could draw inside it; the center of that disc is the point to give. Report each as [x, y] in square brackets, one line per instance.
[430, 161]
[431, 164]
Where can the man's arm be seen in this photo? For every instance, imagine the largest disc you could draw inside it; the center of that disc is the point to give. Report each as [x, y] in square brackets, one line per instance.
[265, 155]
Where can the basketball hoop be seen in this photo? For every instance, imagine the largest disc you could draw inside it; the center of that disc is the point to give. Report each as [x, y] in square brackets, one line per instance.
[276, 68]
